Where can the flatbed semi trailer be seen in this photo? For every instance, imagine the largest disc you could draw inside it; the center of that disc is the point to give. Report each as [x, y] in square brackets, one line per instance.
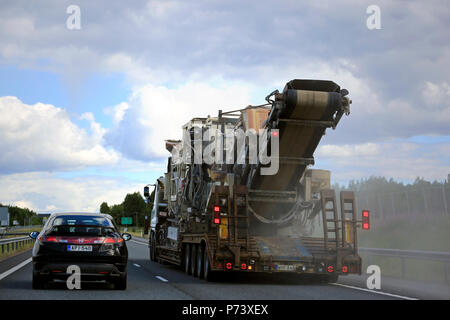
[217, 217]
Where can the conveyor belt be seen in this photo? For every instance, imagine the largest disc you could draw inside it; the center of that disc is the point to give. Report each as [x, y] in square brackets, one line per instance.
[301, 113]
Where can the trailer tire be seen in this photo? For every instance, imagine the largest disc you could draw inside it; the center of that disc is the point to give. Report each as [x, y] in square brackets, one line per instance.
[152, 247]
[200, 264]
[194, 250]
[187, 258]
[208, 275]
[331, 278]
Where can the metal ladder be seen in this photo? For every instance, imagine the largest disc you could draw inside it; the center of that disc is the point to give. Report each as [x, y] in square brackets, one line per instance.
[240, 212]
[348, 216]
[330, 219]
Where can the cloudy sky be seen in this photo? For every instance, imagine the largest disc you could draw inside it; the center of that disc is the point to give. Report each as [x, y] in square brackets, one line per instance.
[84, 112]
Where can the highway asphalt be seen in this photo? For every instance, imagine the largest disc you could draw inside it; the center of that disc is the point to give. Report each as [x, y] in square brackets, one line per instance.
[153, 281]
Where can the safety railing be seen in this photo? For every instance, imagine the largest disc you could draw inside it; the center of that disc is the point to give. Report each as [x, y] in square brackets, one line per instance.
[13, 244]
[404, 255]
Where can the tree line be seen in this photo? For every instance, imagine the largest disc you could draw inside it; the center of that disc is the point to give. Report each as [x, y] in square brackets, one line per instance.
[23, 216]
[378, 185]
[387, 197]
[133, 206]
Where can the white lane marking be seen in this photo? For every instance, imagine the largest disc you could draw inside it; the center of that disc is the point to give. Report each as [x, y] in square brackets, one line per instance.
[14, 269]
[161, 278]
[140, 242]
[374, 291]
[136, 265]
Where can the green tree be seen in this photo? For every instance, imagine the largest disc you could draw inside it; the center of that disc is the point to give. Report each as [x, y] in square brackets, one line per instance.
[22, 215]
[134, 206]
[116, 211]
[104, 208]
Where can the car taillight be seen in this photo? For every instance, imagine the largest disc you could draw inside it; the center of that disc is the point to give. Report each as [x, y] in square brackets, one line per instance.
[49, 239]
[113, 240]
[366, 220]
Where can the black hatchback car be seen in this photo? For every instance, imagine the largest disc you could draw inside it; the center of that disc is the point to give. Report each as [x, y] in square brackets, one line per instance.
[90, 241]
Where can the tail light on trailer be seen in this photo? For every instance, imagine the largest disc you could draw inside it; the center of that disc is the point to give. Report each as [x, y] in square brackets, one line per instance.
[228, 265]
[330, 269]
[216, 210]
[244, 266]
[366, 219]
[344, 269]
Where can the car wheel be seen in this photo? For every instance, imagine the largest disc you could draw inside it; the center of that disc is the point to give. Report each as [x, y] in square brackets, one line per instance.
[38, 281]
[121, 283]
[187, 259]
[194, 259]
[200, 255]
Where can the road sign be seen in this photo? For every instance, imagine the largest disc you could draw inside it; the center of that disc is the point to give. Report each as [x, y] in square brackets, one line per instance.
[4, 216]
[126, 220]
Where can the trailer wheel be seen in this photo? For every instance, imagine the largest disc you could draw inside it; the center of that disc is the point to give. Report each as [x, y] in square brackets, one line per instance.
[208, 275]
[152, 247]
[331, 278]
[194, 250]
[187, 258]
[200, 264]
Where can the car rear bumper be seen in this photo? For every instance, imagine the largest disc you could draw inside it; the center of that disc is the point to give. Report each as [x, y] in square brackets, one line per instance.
[88, 271]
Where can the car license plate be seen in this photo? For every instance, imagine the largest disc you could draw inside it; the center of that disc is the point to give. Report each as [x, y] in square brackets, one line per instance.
[79, 248]
[286, 267]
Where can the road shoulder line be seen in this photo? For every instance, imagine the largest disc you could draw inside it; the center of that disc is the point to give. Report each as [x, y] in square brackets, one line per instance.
[374, 291]
[14, 269]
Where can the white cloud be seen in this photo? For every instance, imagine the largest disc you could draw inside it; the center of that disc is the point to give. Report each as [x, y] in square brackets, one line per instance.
[117, 112]
[156, 113]
[436, 93]
[399, 160]
[41, 137]
[47, 192]
[346, 151]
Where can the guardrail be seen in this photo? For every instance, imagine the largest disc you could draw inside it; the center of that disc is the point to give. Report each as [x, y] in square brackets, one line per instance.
[11, 244]
[410, 254]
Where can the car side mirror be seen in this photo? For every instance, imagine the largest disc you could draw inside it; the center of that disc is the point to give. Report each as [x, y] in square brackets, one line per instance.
[34, 235]
[126, 236]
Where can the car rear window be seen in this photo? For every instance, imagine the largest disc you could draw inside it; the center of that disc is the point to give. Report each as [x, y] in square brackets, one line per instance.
[82, 221]
[82, 226]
